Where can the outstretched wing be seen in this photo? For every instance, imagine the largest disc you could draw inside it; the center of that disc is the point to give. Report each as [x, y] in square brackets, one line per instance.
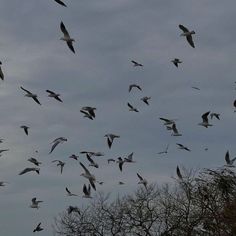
[190, 40]
[139, 176]
[183, 28]
[85, 169]
[64, 31]
[25, 90]
[179, 173]
[60, 2]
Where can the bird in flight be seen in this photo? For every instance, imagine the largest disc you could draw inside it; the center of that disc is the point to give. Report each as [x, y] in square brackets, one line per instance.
[181, 146]
[53, 95]
[60, 163]
[135, 63]
[38, 228]
[176, 62]
[134, 86]
[205, 122]
[142, 180]
[145, 99]
[31, 95]
[67, 37]
[110, 138]
[61, 3]
[88, 112]
[131, 108]
[25, 128]
[35, 203]
[188, 34]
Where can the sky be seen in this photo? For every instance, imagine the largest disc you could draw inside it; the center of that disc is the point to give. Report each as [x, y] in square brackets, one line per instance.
[108, 35]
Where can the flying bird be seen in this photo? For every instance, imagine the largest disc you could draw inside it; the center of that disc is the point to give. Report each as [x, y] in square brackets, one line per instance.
[61, 3]
[54, 95]
[110, 138]
[60, 163]
[196, 88]
[25, 128]
[1, 73]
[67, 37]
[87, 191]
[73, 156]
[142, 180]
[29, 169]
[188, 34]
[88, 176]
[165, 151]
[134, 86]
[31, 95]
[131, 108]
[181, 146]
[34, 161]
[69, 193]
[176, 62]
[135, 63]
[88, 112]
[205, 122]
[179, 173]
[56, 142]
[35, 203]
[71, 209]
[38, 228]
[145, 99]
[229, 161]
[129, 158]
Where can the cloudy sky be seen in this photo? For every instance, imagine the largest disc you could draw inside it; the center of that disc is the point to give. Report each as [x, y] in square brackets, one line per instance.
[108, 35]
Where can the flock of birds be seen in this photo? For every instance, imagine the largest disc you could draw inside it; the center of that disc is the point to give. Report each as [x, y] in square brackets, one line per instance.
[90, 113]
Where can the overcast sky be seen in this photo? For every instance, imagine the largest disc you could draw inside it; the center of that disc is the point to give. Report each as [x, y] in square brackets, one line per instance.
[108, 35]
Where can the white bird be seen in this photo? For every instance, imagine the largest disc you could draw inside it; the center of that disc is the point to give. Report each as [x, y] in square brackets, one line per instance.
[134, 86]
[110, 138]
[229, 161]
[71, 209]
[87, 191]
[60, 163]
[69, 193]
[181, 146]
[176, 62]
[1, 73]
[129, 158]
[135, 63]
[165, 151]
[53, 95]
[188, 34]
[131, 108]
[142, 180]
[35, 203]
[25, 128]
[145, 99]
[34, 161]
[56, 142]
[89, 176]
[175, 131]
[31, 95]
[61, 3]
[67, 37]
[179, 173]
[121, 162]
[38, 228]
[29, 169]
[205, 122]
[92, 162]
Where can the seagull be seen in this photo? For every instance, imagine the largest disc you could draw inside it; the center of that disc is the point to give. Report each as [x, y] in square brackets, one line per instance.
[87, 191]
[54, 95]
[26, 128]
[216, 115]
[35, 203]
[110, 160]
[67, 37]
[229, 161]
[142, 180]
[131, 108]
[175, 131]
[145, 99]
[60, 2]
[60, 163]
[135, 63]
[73, 156]
[38, 228]
[187, 34]
[69, 193]
[34, 161]
[204, 122]
[88, 176]
[29, 169]
[181, 146]
[71, 209]
[165, 151]
[179, 173]
[176, 62]
[92, 162]
[1, 73]
[134, 86]
[56, 142]
[110, 138]
[121, 162]
[31, 95]
[129, 158]
[89, 112]
[168, 121]
[2, 183]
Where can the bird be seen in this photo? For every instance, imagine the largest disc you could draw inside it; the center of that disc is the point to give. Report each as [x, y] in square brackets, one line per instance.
[134, 86]
[54, 95]
[1, 73]
[129, 158]
[168, 121]
[88, 176]
[196, 88]
[188, 34]
[71, 209]
[3, 183]
[92, 162]
[35, 203]
[204, 122]
[135, 63]
[89, 112]
[181, 146]
[69, 193]
[131, 108]
[145, 99]
[73, 156]
[179, 173]
[121, 162]
[142, 180]
[38, 228]
[67, 37]
[56, 142]
[29, 169]
[31, 95]
[216, 115]
[176, 62]
[87, 191]
[25, 128]
[61, 3]
[165, 151]
[34, 161]
[175, 131]
[60, 163]
[110, 138]
[229, 161]
[121, 183]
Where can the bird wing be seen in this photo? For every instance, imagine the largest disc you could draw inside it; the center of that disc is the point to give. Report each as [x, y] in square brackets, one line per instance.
[1, 74]
[235, 103]
[130, 87]
[120, 165]
[68, 191]
[60, 2]
[64, 31]
[36, 100]
[174, 128]
[54, 146]
[205, 117]
[190, 40]
[70, 45]
[92, 113]
[183, 28]
[85, 169]
[51, 92]
[27, 91]
[139, 176]
[179, 173]
[89, 158]
[57, 98]
[164, 119]
[109, 142]
[135, 63]
[92, 184]
[25, 171]
[130, 106]
[85, 190]
[33, 200]
[227, 159]
[180, 145]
